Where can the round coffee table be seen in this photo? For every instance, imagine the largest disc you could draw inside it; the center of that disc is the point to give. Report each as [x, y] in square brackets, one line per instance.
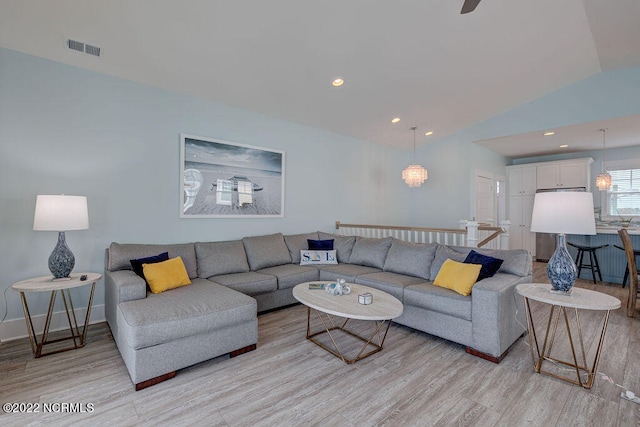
[381, 311]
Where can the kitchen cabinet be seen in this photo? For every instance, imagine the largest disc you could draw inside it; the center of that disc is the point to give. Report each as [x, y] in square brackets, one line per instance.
[522, 183]
[520, 235]
[564, 174]
[521, 180]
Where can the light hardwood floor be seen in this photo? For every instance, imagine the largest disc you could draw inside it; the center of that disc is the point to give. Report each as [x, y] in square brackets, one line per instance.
[417, 379]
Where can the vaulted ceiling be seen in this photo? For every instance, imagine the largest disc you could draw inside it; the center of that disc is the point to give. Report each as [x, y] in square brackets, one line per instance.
[419, 60]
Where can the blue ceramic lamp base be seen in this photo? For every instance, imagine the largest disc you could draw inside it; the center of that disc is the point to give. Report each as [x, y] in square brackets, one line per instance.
[61, 260]
[561, 269]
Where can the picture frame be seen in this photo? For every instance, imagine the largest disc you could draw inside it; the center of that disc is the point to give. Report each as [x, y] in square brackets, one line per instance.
[223, 179]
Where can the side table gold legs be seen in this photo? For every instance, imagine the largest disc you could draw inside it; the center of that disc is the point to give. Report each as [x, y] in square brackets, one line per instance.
[327, 322]
[79, 339]
[539, 356]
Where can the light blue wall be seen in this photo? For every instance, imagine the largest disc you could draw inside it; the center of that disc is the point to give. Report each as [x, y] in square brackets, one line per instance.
[605, 95]
[452, 161]
[72, 131]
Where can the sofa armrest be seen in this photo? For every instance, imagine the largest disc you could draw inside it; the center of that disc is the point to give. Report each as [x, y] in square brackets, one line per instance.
[121, 286]
[496, 313]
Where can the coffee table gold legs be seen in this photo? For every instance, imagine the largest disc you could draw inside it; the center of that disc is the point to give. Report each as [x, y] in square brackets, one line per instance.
[79, 339]
[329, 325]
[539, 356]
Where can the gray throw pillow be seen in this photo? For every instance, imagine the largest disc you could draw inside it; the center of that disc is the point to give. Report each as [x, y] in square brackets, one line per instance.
[515, 261]
[217, 258]
[412, 259]
[442, 254]
[297, 243]
[266, 251]
[342, 244]
[370, 252]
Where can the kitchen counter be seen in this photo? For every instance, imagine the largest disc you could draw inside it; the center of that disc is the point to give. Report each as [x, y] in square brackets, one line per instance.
[613, 229]
[611, 259]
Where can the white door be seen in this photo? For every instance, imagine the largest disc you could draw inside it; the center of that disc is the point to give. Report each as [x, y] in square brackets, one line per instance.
[485, 199]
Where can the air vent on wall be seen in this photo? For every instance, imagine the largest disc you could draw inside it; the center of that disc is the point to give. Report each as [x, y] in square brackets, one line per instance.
[84, 48]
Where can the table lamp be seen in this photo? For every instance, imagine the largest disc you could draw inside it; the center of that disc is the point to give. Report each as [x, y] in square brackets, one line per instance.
[61, 213]
[563, 212]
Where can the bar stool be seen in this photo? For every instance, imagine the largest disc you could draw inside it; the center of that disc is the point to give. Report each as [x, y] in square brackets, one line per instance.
[593, 259]
[636, 253]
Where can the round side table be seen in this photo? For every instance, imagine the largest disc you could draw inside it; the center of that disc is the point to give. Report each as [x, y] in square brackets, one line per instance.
[580, 299]
[47, 284]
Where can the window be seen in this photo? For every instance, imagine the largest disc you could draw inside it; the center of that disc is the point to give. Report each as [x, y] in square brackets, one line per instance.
[623, 199]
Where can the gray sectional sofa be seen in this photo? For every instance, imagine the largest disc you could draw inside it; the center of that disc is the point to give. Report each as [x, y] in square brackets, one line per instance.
[232, 281]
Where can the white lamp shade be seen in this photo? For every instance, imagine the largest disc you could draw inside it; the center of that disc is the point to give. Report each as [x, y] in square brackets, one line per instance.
[61, 213]
[563, 212]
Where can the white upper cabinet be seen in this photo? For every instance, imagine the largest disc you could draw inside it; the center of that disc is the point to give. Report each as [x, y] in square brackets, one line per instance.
[564, 174]
[521, 180]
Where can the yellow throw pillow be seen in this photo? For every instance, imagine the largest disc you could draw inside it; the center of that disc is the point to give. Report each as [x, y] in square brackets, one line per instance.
[166, 275]
[457, 276]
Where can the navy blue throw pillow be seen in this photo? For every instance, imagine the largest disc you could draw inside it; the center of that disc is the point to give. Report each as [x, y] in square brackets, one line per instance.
[490, 265]
[136, 264]
[320, 245]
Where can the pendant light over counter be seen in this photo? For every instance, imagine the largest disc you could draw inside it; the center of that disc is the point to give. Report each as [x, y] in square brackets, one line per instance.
[603, 180]
[414, 175]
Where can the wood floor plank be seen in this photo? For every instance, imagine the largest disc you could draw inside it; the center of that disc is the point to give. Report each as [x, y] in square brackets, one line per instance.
[418, 379]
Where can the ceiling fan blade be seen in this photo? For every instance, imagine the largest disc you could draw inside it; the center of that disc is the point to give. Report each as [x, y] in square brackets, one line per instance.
[469, 6]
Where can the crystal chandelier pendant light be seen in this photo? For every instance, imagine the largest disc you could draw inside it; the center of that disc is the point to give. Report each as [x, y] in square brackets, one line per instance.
[414, 175]
[603, 180]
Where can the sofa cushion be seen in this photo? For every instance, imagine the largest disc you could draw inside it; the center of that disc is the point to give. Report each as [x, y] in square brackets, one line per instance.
[136, 264]
[413, 259]
[165, 275]
[296, 243]
[250, 283]
[342, 244]
[391, 283]
[458, 276]
[444, 253]
[310, 257]
[516, 261]
[191, 310]
[440, 300]
[348, 272]
[289, 275]
[490, 265]
[121, 254]
[217, 258]
[266, 251]
[370, 251]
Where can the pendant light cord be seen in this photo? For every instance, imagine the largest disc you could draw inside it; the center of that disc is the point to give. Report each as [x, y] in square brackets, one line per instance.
[604, 150]
[414, 143]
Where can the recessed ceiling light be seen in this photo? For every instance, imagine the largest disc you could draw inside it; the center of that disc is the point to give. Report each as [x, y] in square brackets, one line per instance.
[337, 82]
[428, 133]
[396, 120]
[564, 145]
[549, 133]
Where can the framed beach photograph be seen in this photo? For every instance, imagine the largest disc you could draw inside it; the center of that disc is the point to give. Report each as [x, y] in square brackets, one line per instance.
[222, 179]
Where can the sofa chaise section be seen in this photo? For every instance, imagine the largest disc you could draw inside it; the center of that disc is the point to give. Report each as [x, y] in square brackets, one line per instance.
[158, 334]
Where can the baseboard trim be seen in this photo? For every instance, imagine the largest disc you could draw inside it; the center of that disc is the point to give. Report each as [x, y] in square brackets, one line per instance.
[17, 328]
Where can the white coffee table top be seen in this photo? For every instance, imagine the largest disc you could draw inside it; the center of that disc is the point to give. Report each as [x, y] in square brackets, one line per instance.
[384, 306]
[46, 283]
[580, 298]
